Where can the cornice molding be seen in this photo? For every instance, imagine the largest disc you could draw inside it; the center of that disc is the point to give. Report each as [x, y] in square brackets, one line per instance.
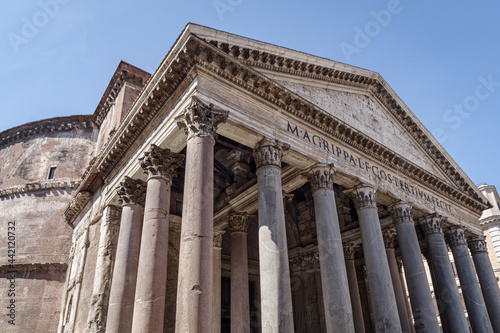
[273, 92]
[375, 84]
[41, 127]
[34, 266]
[37, 186]
[76, 205]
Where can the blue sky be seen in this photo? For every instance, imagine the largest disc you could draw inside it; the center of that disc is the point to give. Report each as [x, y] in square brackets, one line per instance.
[441, 57]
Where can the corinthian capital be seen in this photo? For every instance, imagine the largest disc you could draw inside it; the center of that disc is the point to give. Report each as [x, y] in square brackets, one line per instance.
[321, 177]
[239, 222]
[218, 237]
[350, 250]
[200, 119]
[363, 195]
[132, 191]
[456, 236]
[401, 212]
[161, 162]
[269, 152]
[432, 224]
[477, 245]
[390, 238]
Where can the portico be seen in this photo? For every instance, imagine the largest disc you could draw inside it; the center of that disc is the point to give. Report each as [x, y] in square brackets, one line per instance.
[282, 198]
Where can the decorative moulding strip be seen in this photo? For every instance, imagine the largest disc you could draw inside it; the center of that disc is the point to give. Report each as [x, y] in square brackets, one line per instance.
[37, 186]
[36, 266]
[45, 126]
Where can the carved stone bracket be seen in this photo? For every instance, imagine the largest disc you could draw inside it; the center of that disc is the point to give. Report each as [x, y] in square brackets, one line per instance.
[218, 237]
[363, 195]
[269, 152]
[401, 212]
[350, 250]
[390, 238]
[456, 236]
[161, 162]
[200, 119]
[321, 177]
[432, 224]
[132, 191]
[477, 244]
[238, 222]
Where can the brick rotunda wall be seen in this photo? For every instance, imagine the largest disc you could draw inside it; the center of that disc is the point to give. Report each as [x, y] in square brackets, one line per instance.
[32, 201]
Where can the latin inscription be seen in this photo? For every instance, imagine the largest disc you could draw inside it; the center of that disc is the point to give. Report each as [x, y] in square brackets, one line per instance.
[356, 161]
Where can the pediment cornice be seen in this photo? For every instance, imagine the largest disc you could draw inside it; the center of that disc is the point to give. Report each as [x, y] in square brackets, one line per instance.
[368, 81]
[191, 52]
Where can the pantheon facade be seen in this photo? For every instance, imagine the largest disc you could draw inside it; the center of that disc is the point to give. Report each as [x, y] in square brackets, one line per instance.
[246, 187]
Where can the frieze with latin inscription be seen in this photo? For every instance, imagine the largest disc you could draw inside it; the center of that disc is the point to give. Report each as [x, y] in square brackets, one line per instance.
[341, 153]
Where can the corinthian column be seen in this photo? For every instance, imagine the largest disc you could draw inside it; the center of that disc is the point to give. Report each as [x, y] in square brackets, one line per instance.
[450, 305]
[108, 236]
[276, 296]
[390, 241]
[336, 299]
[149, 310]
[383, 300]
[240, 303]
[357, 310]
[418, 287]
[121, 295]
[194, 291]
[216, 289]
[487, 279]
[476, 309]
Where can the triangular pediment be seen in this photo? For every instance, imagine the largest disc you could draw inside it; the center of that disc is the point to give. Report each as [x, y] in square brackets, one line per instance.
[279, 69]
[362, 112]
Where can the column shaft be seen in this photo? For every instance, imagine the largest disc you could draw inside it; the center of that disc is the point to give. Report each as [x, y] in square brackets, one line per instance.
[240, 302]
[149, 308]
[450, 305]
[121, 297]
[194, 291]
[398, 291]
[357, 310]
[418, 287]
[276, 296]
[383, 300]
[476, 308]
[488, 281]
[216, 289]
[194, 295]
[335, 286]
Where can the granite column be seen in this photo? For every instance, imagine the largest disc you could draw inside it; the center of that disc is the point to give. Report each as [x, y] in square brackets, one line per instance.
[357, 310]
[216, 289]
[418, 287]
[276, 296]
[149, 309]
[336, 299]
[487, 279]
[194, 291]
[383, 300]
[390, 240]
[121, 295]
[240, 303]
[474, 302]
[449, 302]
